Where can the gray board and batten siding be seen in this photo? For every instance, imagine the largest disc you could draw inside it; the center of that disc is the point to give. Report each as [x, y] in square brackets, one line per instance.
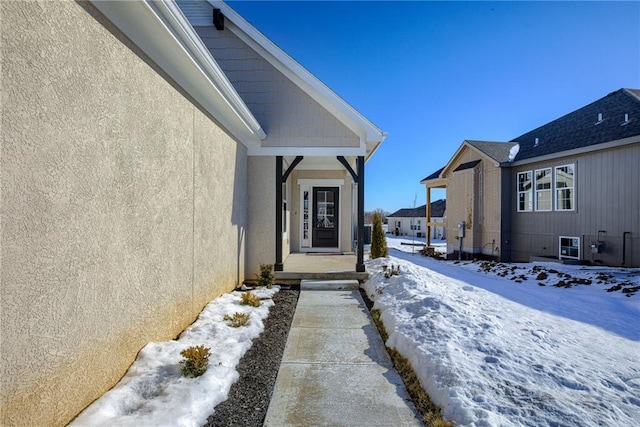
[602, 141]
[607, 204]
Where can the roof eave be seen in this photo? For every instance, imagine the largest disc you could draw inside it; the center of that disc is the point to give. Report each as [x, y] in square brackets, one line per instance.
[577, 151]
[161, 30]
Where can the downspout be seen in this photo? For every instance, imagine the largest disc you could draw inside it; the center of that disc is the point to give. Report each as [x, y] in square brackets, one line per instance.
[624, 246]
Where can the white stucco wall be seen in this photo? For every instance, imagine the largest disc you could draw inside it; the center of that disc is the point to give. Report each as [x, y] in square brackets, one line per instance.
[123, 209]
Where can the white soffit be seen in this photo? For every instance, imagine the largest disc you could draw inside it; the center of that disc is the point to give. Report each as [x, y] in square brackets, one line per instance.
[161, 30]
[369, 134]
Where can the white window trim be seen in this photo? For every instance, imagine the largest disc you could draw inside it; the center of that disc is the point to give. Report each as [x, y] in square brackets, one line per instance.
[535, 191]
[521, 192]
[560, 256]
[556, 189]
[308, 184]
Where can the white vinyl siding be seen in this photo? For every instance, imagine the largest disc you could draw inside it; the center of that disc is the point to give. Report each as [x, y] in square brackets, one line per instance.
[525, 191]
[564, 188]
[543, 189]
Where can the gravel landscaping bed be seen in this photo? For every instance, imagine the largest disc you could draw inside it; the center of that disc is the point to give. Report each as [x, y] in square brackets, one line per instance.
[249, 397]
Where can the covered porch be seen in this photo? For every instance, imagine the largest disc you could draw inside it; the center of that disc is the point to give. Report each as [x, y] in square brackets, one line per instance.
[319, 266]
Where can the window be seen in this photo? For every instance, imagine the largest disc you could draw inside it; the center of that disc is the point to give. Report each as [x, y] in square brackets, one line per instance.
[569, 247]
[543, 189]
[565, 194]
[525, 199]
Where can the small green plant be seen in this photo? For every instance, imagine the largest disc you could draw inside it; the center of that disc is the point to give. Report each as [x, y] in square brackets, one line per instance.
[378, 239]
[196, 361]
[250, 299]
[393, 271]
[237, 320]
[266, 276]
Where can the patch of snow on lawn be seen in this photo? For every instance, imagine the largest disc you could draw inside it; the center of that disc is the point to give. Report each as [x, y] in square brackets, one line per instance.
[411, 244]
[154, 392]
[491, 351]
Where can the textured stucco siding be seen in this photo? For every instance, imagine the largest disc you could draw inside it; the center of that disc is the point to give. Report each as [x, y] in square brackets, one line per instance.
[123, 209]
[289, 116]
[262, 214]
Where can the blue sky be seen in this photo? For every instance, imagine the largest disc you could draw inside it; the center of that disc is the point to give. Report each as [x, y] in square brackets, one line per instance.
[433, 74]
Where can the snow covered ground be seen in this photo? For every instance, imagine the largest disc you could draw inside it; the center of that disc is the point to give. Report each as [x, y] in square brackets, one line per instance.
[155, 393]
[491, 344]
[506, 345]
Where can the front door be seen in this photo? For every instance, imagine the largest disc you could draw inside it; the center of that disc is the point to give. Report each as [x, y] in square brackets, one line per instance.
[325, 217]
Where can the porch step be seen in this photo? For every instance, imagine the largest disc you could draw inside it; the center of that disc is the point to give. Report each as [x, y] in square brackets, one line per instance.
[329, 285]
[297, 277]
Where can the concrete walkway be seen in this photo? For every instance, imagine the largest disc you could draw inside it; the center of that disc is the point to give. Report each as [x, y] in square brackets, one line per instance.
[335, 370]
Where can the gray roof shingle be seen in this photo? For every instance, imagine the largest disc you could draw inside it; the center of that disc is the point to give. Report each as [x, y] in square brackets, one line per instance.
[498, 151]
[581, 128]
[434, 175]
[437, 211]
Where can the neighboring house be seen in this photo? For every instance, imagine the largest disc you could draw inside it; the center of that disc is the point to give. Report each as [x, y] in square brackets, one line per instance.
[412, 221]
[566, 190]
[150, 162]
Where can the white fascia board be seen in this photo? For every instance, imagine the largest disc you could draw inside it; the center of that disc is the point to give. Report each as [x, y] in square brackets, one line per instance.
[344, 112]
[161, 30]
[453, 158]
[306, 151]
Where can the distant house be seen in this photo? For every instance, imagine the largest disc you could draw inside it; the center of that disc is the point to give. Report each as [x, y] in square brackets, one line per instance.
[568, 190]
[412, 221]
[153, 155]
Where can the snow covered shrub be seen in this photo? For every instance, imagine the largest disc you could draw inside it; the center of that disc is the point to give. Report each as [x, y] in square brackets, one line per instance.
[250, 299]
[238, 319]
[378, 240]
[196, 361]
[393, 271]
[266, 276]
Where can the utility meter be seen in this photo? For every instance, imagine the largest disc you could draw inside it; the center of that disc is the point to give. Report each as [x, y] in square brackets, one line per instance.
[461, 228]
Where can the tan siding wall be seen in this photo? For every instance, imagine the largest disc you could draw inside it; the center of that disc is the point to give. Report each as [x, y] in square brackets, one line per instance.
[490, 216]
[607, 198]
[121, 214]
[289, 116]
[473, 196]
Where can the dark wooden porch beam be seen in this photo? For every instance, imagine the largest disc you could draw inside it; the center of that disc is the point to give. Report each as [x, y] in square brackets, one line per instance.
[346, 164]
[293, 165]
[278, 266]
[360, 262]
[280, 179]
